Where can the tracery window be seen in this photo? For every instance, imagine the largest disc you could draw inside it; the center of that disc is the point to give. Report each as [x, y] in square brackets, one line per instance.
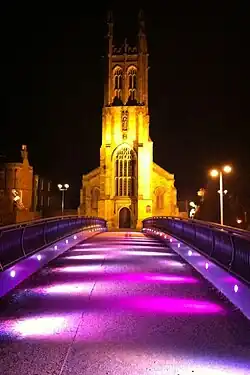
[125, 164]
[159, 193]
[118, 82]
[95, 193]
[132, 83]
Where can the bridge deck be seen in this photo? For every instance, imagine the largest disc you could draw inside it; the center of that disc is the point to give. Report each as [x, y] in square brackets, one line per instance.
[121, 303]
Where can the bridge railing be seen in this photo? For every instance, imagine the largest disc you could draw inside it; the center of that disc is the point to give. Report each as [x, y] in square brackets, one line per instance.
[20, 240]
[228, 246]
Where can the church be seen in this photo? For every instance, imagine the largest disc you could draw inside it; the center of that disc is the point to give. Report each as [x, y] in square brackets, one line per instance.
[128, 186]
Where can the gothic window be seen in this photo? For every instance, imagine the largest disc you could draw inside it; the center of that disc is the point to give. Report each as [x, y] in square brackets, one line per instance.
[94, 198]
[118, 82]
[132, 83]
[125, 172]
[159, 194]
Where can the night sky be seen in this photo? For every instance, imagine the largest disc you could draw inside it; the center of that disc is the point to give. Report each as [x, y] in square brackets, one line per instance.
[52, 70]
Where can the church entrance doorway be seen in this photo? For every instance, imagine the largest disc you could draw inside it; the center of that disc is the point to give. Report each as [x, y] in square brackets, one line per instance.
[124, 218]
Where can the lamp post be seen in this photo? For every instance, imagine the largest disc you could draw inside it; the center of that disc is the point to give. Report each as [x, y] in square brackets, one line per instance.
[215, 173]
[63, 188]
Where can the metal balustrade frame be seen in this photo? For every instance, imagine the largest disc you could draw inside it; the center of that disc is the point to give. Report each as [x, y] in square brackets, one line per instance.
[21, 240]
[227, 246]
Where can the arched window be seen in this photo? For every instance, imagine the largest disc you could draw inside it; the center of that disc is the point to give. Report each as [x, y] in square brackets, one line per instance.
[95, 198]
[132, 83]
[159, 194]
[118, 82]
[125, 164]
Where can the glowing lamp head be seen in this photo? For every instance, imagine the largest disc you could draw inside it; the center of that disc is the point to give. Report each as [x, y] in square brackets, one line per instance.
[214, 173]
[59, 186]
[236, 288]
[239, 221]
[66, 186]
[12, 273]
[227, 169]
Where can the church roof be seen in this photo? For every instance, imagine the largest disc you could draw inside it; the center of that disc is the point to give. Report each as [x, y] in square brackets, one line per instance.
[162, 172]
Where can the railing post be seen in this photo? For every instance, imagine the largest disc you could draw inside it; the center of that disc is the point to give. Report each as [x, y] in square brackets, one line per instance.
[22, 240]
[194, 227]
[1, 250]
[233, 250]
[44, 233]
[213, 242]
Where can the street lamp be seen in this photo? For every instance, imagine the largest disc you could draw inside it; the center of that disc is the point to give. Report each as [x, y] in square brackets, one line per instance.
[63, 188]
[193, 209]
[216, 173]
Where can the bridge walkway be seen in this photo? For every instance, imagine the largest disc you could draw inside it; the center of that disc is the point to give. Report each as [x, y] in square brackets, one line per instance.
[121, 303]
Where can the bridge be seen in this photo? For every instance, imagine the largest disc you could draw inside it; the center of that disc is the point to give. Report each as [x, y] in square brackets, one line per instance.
[78, 299]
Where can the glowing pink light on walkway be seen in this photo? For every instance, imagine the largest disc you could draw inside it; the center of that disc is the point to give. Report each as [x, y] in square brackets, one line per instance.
[87, 268]
[173, 306]
[171, 279]
[85, 256]
[40, 326]
[68, 288]
[147, 253]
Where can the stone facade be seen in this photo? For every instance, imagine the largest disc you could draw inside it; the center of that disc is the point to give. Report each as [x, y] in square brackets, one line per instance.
[128, 186]
[23, 195]
[16, 185]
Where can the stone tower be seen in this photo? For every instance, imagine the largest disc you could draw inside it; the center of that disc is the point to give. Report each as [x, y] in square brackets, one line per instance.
[128, 186]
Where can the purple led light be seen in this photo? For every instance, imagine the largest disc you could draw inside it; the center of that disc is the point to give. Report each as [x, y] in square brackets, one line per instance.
[75, 237]
[39, 257]
[12, 273]
[236, 288]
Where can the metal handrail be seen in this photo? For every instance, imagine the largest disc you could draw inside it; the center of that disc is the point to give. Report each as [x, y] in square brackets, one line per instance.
[226, 245]
[228, 228]
[38, 220]
[20, 240]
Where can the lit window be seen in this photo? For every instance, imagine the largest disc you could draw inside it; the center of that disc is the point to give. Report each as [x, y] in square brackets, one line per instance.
[95, 198]
[159, 193]
[132, 83]
[118, 82]
[125, 172]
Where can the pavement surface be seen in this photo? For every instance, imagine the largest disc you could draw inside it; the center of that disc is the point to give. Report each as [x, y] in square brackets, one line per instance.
[121, 303]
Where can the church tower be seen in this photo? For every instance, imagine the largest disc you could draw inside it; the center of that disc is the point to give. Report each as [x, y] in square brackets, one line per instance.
[127, 187]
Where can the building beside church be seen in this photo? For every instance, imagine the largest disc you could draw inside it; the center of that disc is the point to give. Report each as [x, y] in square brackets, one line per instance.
[24, 195]
[128, 186]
